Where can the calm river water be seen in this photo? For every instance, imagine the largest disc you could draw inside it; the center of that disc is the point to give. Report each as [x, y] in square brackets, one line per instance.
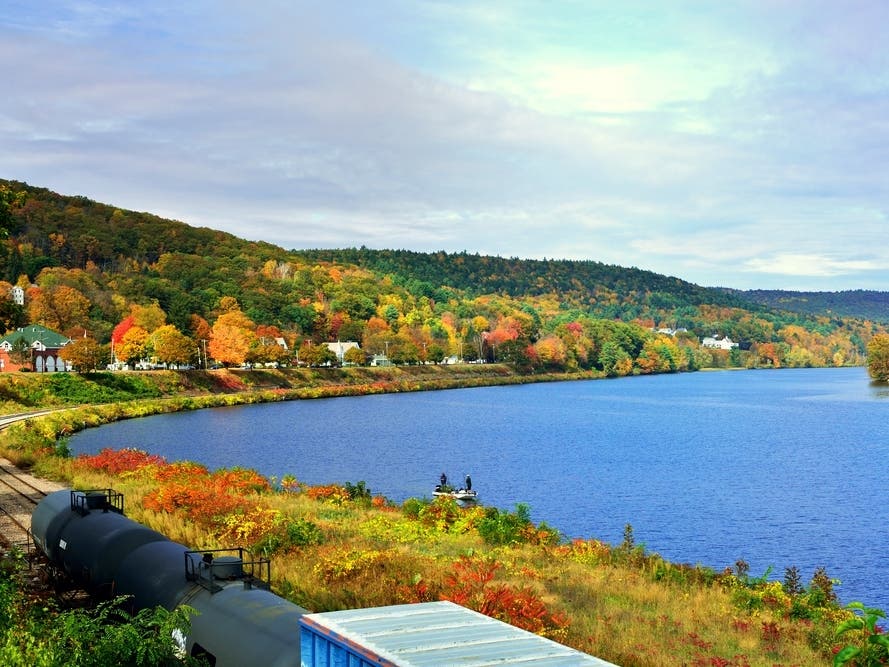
[779, 468]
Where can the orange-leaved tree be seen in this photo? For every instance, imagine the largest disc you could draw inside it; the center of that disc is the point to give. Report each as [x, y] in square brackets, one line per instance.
[232, 337]
[84, 354]
[58, 307]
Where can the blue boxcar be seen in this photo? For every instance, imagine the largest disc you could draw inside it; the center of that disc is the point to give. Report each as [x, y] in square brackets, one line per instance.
[429, 634]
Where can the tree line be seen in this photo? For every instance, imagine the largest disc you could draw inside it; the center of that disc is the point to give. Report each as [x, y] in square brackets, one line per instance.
[133, 286]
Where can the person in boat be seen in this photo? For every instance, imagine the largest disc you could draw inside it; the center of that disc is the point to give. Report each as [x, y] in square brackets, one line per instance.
[468, 483]
[444, 480]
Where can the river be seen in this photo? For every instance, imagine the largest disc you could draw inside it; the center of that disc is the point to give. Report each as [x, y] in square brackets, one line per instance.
[777, 468]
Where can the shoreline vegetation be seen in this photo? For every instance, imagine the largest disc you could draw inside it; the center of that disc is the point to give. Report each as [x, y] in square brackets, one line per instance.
[340, 546]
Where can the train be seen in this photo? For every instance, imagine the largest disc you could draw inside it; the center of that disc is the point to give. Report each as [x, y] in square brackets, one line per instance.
[87, 539]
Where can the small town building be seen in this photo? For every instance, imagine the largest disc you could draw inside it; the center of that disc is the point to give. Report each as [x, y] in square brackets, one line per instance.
[42, 344]
[340, 348]
[718, 343]
[380, 360]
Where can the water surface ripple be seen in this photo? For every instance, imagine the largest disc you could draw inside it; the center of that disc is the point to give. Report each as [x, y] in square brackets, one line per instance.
[778, 468]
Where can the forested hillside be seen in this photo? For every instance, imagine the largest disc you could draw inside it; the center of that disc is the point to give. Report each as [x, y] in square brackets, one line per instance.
[161, 290]
[864, 304]
[582, 283]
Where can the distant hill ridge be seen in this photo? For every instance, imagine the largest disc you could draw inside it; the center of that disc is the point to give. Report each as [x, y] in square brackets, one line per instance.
[861, 304]
[74, 231]
[580, 280]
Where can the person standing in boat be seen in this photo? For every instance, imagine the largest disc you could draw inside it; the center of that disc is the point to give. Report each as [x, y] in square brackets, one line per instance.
[468, 483]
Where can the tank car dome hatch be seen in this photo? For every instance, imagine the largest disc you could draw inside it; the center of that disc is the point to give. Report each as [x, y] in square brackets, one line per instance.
[227, 567]
[95, 500]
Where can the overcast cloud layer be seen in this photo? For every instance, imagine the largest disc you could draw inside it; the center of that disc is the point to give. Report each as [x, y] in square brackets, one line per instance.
[743, 146]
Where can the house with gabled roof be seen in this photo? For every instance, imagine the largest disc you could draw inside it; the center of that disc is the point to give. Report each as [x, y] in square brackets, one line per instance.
[719, 343]
[43, 345]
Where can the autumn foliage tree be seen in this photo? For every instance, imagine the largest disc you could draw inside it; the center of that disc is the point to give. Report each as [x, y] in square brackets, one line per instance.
[84, 354]
[768, 354]
[171, 346]
[551, 351]
[231, 338]
[132, 346]
[878, 357]
[316, 355]
[117, 335]
[58, 307]
[615, 361]
[148, 317]
[354, 355]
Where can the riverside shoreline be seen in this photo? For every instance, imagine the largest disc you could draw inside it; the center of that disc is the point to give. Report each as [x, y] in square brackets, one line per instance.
[59, 405]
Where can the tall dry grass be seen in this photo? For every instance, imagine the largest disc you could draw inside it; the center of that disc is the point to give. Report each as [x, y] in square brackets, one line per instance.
[624, 606]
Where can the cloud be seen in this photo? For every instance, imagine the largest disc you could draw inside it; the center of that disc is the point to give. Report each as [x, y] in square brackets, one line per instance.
[808, 265]
[733, 146]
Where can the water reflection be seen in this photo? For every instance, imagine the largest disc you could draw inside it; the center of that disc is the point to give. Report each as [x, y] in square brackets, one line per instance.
[879, 389]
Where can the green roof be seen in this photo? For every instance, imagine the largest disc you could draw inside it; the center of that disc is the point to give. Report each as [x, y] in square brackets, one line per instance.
[35, 332]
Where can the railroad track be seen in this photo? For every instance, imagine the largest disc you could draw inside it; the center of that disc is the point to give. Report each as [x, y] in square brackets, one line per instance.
[19, 496]
[19, 492]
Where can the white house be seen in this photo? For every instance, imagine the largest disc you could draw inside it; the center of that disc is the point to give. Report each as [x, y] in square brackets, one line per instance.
[715, 342]
[340, 348]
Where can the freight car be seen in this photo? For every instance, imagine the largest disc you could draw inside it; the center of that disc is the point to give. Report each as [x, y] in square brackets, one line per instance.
[86, 537]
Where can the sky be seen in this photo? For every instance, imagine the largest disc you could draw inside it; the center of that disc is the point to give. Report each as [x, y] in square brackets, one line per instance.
[740, 144]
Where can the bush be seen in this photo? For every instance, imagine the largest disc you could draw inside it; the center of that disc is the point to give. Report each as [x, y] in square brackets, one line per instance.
[412, 507]
[297, 533]
[503, 528]
[38, 635]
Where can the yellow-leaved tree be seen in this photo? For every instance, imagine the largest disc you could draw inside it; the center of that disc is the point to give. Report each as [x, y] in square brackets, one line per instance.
[133, 345]
[171, 346]
[878, 357]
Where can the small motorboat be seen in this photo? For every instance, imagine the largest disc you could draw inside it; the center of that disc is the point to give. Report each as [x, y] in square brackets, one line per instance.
[456, 494]
[465, 493]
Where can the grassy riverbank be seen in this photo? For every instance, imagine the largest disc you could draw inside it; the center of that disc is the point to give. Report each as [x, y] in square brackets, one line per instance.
[340, 547]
